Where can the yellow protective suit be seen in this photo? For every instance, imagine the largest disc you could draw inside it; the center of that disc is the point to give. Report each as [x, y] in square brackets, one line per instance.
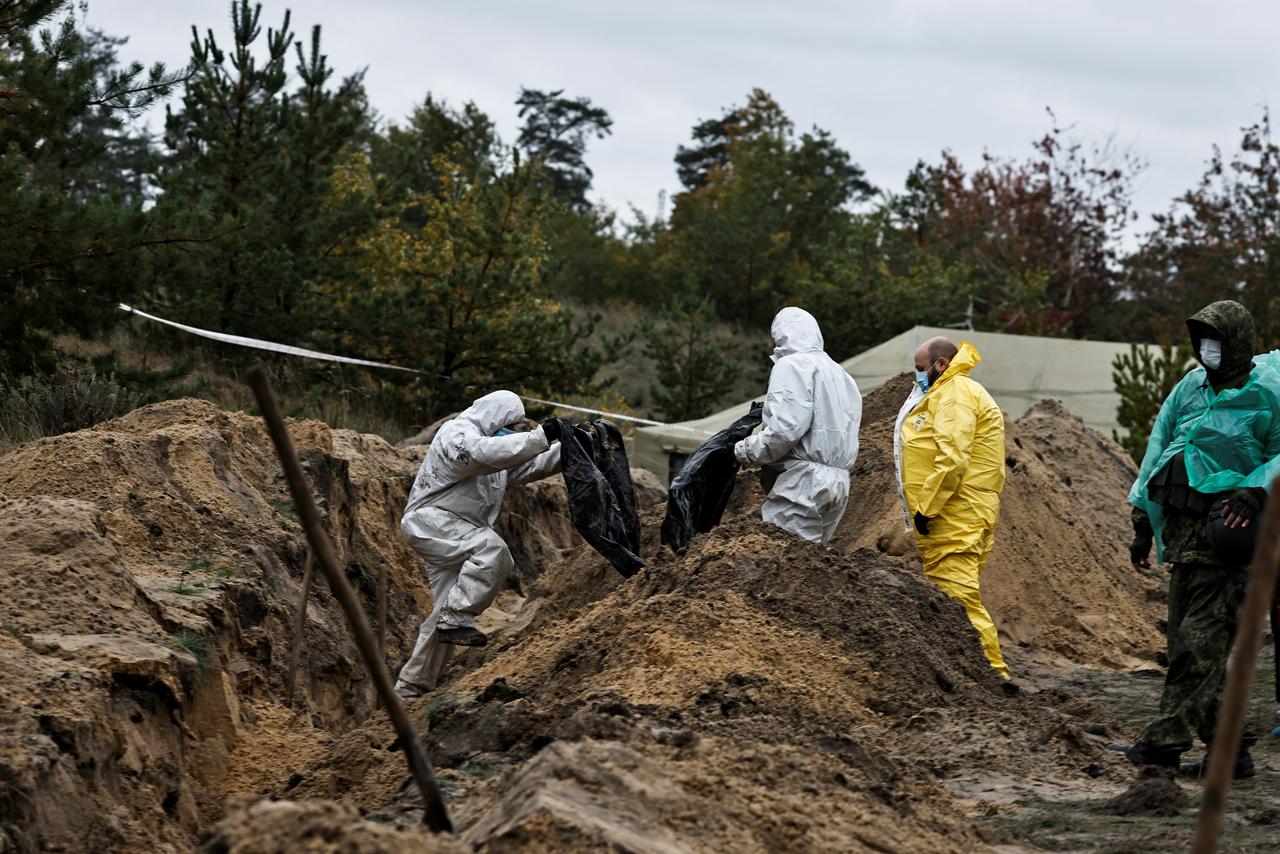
[953, 473]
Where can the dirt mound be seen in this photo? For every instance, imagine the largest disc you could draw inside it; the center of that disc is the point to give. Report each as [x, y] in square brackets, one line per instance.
[89, 677]
[316, 827]
[1059, 579]
[1155, 793]
[152, 570]
[756, 693]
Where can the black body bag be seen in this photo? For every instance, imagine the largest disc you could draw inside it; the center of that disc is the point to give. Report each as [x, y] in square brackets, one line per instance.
[602, 499]
[700, 492]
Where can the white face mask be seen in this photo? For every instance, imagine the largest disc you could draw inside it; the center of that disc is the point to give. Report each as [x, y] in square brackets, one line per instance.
[1211, 353]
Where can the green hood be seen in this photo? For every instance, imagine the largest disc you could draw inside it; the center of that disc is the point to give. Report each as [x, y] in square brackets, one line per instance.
[1232, 324]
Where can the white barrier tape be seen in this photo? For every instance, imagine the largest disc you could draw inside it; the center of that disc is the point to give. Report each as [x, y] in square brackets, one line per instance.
[259, 344]
[631, 418]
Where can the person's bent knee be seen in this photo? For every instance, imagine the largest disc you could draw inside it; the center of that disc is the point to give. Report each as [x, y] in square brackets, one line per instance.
[493, 551]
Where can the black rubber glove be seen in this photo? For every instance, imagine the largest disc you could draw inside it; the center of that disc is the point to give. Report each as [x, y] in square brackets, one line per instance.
[1140, 551]
[1144, 537]
[552, 428]
[922, 524]
[1242, 506]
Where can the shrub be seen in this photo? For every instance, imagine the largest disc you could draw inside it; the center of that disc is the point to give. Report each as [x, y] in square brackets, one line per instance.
[73, 397]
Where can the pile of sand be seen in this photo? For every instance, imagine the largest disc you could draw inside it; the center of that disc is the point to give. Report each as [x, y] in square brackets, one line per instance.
[754, 693]
[152, 569]
[1059, 580]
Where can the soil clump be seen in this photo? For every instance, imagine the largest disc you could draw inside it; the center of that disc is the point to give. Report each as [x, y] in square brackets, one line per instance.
[1154, 793]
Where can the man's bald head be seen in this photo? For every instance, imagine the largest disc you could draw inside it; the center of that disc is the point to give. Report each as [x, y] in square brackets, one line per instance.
[933, 350]
[935, 355]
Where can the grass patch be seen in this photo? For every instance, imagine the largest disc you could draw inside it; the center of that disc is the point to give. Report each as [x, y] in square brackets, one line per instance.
[197, 565]
[197, 646]
[284, 507]
[443, 703]
[204, 565]
[481, 768]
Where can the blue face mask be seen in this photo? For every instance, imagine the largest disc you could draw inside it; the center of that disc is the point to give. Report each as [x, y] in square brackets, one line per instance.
[922, 380]
[503, 431]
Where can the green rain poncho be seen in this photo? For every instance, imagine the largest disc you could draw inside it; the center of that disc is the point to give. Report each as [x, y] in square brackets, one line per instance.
[1230, 439]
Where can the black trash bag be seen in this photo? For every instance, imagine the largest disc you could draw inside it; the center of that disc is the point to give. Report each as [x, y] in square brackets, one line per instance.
[610, 456]
[602, 499]
[701, 490]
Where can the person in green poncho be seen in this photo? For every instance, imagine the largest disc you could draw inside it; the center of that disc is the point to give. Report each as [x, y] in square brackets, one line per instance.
[1199, 495]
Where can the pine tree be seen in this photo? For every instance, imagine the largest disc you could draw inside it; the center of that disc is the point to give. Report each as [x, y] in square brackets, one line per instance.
[696, 366]
[1144, 380]
[74, 234]
[555, 133]
[764, 214]
[249, 165]
[456, 289]
[710, 149]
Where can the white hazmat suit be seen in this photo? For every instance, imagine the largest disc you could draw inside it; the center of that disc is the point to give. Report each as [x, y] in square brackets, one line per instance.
[809, 435]
[449, 520]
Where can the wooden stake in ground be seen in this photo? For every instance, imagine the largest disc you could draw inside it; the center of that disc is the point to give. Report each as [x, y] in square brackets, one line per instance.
[1244, 662]
[435, 815]
[299, 623]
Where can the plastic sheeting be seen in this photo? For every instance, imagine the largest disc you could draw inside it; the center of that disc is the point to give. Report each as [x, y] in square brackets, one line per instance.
[701, 490]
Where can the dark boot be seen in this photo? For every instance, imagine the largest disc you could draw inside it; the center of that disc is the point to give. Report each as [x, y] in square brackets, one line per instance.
[1244, 767]
[463, 636]
[1141, 753]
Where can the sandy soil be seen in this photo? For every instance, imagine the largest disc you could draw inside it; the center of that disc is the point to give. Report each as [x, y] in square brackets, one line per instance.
[754, 694]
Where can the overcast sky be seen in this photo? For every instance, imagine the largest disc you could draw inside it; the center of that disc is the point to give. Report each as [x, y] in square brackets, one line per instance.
[895, 80]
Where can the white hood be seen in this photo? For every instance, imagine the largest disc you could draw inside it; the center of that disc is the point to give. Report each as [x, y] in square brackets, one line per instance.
[795, 330]
[494, 411]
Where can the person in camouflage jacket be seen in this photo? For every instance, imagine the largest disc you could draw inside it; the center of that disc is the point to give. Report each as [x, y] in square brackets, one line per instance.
[1213, 451]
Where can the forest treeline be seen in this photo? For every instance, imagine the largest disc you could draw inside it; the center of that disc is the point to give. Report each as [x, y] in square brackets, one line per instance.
[276, 203]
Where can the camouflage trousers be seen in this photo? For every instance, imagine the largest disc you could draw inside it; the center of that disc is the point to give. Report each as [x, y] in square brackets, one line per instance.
[1204, 607]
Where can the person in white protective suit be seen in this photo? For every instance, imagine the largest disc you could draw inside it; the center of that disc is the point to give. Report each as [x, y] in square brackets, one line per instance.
[449, 520]
[809, 435]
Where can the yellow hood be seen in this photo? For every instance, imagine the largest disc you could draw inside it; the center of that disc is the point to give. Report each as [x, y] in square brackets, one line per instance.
[966, 360]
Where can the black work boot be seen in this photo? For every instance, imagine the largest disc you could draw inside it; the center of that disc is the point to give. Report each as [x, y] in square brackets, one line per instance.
[1244, 767]
[463, 636]
[1141, 753]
